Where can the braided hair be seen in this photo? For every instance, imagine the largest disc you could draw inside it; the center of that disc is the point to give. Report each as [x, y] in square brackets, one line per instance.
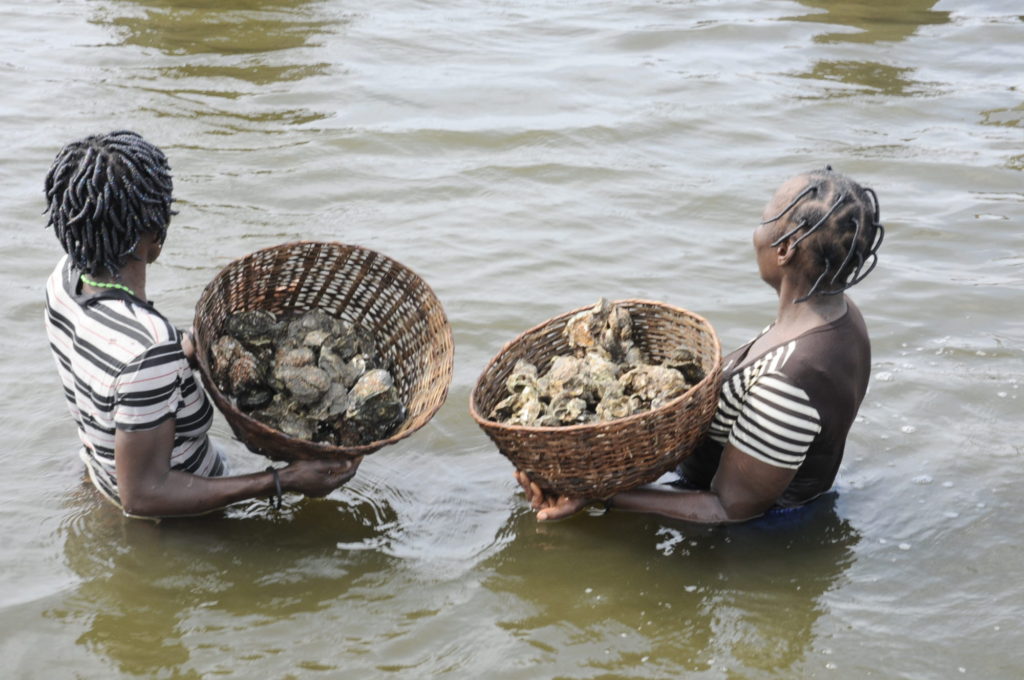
[840, 222]
[103, 193]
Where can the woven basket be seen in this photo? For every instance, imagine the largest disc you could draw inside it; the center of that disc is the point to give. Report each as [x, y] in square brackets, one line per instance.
[597, 460]
[358, 285]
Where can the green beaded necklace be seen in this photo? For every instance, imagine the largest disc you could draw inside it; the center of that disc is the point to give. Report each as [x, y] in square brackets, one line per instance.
[98, 284]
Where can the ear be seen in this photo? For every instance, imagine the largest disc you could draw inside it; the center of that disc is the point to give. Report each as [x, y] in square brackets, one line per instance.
[785, 252]
[149, 248]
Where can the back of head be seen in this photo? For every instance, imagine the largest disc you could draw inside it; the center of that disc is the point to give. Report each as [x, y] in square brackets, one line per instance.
[837, 221]
[103, 193]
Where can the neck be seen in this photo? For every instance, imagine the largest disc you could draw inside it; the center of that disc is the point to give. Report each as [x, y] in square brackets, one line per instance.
[812, 312]
[133, 277]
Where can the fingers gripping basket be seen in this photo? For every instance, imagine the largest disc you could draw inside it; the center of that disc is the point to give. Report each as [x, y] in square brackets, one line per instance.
[355, 284]
[597, 460]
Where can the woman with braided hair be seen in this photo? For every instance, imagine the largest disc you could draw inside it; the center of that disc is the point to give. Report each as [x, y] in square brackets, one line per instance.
[127, 372]
[790, 395]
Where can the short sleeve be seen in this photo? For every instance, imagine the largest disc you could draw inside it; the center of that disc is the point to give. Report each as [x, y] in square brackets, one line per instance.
[777, 423]
[148, 391]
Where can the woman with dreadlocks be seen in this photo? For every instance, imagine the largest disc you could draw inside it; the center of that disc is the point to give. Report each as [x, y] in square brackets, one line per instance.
[790, 395]
[126, 371]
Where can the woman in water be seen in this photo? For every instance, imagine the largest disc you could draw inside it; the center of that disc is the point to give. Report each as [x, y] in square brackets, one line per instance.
[127, 372]
[789, 395]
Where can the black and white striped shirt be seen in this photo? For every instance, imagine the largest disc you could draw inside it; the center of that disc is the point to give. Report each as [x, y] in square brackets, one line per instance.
[122, 368]
[791, 407]
[762, 412]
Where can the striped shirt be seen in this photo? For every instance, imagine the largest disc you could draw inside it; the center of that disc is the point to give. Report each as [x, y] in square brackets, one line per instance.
[763, 413]
[791, 407]
[122, 368]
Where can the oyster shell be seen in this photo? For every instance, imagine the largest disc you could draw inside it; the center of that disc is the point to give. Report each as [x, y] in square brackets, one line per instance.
[313, 320]
[563, 368]
[524, 374]
[293, 356]
[254, 398]
[300, 376]
[654, 382]
[374, 405]
[222, 355]
[254, 328]
[617, 405]
[584, 330]
[685, 361]
[334, 403]
[568, 410]
[297, 425]
[528, 408]
[306, 384]
[235, 368]
[604, 376]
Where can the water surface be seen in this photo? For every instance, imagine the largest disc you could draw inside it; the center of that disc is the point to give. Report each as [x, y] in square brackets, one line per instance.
[526, 158]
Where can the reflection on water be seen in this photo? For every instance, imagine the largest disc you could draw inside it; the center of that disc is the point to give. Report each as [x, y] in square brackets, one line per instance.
[210, 52]
[872, 20]
[869, 76]
[695, 595]
[149, 592]
[875, 21]
[240, 27]
[172, 598]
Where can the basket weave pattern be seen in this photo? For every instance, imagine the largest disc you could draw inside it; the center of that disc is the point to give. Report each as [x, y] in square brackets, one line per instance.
[355, 284]
[598, 460]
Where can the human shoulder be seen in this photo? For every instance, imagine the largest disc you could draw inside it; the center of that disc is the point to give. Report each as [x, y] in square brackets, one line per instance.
[777, 422]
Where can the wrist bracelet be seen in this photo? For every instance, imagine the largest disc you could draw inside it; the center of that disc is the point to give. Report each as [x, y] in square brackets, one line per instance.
[276, 499]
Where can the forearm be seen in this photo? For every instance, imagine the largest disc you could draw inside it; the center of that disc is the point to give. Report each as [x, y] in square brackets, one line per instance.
[704, 507]
[177, 493]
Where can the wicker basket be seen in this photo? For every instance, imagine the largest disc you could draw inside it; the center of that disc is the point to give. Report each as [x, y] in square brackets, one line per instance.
[355, 284]
[597, 460]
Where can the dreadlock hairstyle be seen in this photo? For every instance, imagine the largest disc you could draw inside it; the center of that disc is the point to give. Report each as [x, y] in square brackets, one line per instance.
[840, 222]
[103, 193]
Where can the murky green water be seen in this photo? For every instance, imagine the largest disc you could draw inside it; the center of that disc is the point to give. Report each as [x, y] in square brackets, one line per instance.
[526, 158]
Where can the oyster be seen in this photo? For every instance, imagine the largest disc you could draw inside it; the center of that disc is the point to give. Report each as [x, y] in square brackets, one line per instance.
[236, 369]
[524, 374]
[606, 330]
[562, 369]
[222, 355]
[306, 384]
[316, 339]
[273, 413]
[346, 343]
[333, 404]
[654, 382]
[313, 320]
[292, 356]
[584, 331]
[254, 328]
[254, 397]
[604, 376]
[617, 405]
[374, 405]
[295, 375]
[296, 425]
[568, 410]
[685, 361]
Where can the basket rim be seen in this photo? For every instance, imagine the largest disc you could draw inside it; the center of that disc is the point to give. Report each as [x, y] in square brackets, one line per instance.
[487, 423]
[223, 401]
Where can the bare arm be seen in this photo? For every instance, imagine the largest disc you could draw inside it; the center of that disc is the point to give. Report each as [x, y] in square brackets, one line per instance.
[150, 488]
[743, 488]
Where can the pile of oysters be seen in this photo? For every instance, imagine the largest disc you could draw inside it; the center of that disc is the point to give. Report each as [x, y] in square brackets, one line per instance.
[604, 378]
[310, 376]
